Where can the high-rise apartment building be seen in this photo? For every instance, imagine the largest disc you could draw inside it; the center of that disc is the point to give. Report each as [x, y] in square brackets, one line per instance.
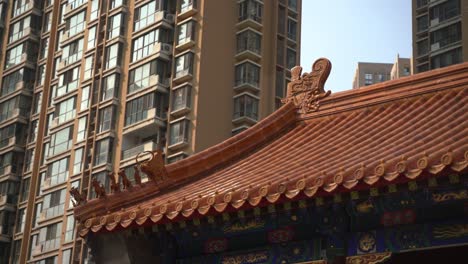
[87, 85]
[440, 33]
[368, 73]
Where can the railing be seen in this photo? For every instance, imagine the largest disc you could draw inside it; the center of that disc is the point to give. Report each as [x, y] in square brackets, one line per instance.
[248, 80]
[14, 113]
[132, 152]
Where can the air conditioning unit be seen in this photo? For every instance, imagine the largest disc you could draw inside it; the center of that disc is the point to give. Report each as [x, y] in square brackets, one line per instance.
[65, 35]
[170, 17]
[166, 47]
[435, 46]
[434, 21]
[55, 122]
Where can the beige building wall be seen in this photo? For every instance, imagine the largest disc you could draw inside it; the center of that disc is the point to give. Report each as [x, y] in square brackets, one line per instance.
[233, 80]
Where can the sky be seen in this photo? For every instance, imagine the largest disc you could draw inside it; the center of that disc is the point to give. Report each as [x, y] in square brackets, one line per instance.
[351, 31]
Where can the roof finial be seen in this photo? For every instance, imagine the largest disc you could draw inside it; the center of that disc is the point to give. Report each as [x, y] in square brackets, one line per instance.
[305, 91]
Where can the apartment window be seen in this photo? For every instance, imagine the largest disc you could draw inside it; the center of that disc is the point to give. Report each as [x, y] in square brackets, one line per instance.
[14, 131]
[116, 3]
[13, 160]
[291, 58]
[16, 251]
[138, 109]
[181, 98]
[445, 11]
[88, 67]
[186, 5]
[81, 134]
[49, 237]
[45, 152]
[54, 204]
[249, 40]
[25, 189]
[113, 56]
[84, 98]
[28, 159]
[33, 131]
[184, 65]
[293, 5]
[102, 178]
[448, 58]
[14, 56]
[143, 46]
[281, 20]
[115, 27]
[76, 24]
[61, 141]
[20, 221]
[91, 38]
[21, 6]
[106, 119]
[421, 3]
[78, 161]
[140, 78]
[103, 151]
[49, 260]
[11, 81]
[73, 52]
[94, 10]
[422, 23]
[110, 87]
[17, 106]
[279, 83]
[57, 172]
[41, 75]
[179, 132]
[37, 103]
[50, 119]
[44, 48]
[292, 29]
[247, 73]
[246, 106]
[422, 47]
[250, 9]
[446, 36]
[68, 81]
[47, 22]
[175, 158]
[186, 32]
[69, 231]
[368, 78]
[66, 110]
[23, 27]
[144, 15]
[406, 71]
[76, 3]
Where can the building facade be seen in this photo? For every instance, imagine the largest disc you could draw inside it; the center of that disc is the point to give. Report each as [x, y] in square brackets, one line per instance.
[440, 35]
[87, 85]
[370, 175]
[368, 73]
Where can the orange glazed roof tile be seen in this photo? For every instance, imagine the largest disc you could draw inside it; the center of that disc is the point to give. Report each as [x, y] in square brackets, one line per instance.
[314, 145]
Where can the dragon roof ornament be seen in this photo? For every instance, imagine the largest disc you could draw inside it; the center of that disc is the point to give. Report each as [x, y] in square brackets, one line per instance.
[307, 90]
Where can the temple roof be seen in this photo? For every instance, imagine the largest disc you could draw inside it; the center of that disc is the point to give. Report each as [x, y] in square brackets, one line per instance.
[316, 144]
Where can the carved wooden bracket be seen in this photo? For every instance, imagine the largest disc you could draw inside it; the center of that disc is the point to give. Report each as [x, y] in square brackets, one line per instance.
[307, 90]
[78, 198]
[369, 258]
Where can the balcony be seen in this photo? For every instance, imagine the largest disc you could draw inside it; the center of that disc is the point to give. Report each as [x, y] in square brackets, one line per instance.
[8, 170]
[247, 84]
[9, 142]
[129, 154]
[165, 18]
[162, 50]
[249, 21]
[187, 10]
[154, 83]
[5, 234]
[249, 53]
[150, 123]
[17, 113]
